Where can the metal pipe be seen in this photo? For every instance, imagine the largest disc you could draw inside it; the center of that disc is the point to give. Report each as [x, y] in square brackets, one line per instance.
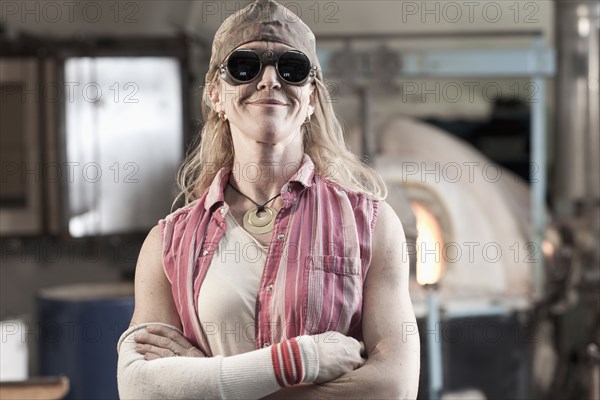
[367, 138]
[593, 104]
[434, 344]
[538, 176]
[427, 35]
[578, 134]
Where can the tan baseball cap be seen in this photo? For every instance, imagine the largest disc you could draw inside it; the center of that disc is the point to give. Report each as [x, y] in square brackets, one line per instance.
[263, 20]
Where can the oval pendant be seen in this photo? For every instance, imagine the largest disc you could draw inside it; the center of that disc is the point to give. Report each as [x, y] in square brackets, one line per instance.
[259, 225]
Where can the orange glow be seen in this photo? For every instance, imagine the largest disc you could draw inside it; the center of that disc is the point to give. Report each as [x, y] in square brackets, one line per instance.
[429, 245]
[547, 248]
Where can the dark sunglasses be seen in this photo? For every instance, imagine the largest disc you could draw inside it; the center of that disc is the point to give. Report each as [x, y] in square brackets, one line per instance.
[245, 65]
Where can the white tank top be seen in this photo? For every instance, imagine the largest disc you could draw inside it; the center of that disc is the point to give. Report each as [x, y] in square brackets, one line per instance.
[227, 298]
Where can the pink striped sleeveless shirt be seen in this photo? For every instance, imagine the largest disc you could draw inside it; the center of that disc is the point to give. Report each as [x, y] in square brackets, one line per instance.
[315, 266]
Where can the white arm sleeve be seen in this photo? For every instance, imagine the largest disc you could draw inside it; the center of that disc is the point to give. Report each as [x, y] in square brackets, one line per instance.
[250, 375]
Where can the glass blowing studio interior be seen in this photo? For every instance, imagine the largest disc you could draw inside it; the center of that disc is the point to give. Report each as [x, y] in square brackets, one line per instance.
[481, 116]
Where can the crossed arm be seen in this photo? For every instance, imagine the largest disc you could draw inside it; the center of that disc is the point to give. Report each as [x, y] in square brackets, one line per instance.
[389, 327]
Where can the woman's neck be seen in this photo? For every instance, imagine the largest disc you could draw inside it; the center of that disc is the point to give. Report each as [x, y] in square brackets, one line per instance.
[261, 175]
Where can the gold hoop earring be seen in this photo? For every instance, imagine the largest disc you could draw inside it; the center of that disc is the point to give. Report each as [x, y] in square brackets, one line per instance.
[222, 116]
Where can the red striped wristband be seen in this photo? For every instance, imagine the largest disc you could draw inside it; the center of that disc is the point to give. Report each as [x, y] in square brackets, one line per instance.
[287, 362]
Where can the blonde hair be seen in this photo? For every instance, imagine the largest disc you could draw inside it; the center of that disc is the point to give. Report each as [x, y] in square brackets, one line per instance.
[323, 141]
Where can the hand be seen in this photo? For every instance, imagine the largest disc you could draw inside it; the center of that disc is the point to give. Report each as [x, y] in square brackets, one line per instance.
[338, 354]
[158, 341]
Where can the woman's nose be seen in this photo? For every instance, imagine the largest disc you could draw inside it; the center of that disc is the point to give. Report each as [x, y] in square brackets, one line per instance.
[269, 78]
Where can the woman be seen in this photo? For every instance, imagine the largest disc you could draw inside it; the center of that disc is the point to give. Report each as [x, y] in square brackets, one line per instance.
[284, 258]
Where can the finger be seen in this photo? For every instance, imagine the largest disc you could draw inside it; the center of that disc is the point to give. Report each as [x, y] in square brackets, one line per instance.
[160, 330]
[142, 348]
[167, 348]
[172, 334]
[154, 340]
[178, 343]
[151, 356]
[363, 351]
[141, 336]
[149, 349]
[159, 351]
[159, 336]
[194, 352]
[146, 337]
[359, 362]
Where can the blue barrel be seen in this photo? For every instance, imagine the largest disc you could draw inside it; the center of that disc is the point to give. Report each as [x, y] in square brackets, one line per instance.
[80, 326]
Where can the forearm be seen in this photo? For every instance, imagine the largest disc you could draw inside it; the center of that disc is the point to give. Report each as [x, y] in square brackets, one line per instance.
[250, 374]
[374, 380]
[391, 372]
[177, 377]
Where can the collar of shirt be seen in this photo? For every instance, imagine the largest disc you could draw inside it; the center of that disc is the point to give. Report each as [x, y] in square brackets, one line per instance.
[304, 176]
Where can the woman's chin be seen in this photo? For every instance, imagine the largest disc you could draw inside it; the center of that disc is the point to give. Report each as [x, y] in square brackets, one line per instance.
[272, 138]
[269, 131]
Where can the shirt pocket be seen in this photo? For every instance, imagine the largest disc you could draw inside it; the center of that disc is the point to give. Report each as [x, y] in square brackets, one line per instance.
[333, 295]
[335, 264]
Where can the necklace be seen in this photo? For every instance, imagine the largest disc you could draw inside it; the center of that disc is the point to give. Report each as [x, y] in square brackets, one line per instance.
[255, 223]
